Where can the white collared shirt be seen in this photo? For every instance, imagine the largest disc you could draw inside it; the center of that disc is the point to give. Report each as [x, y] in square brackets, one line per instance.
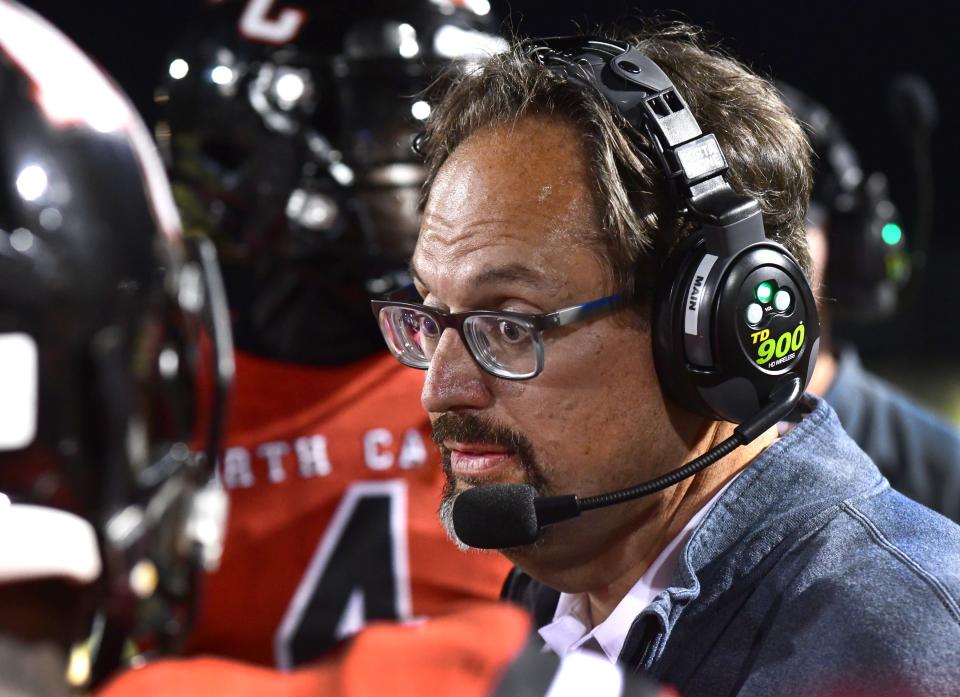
[571, 629]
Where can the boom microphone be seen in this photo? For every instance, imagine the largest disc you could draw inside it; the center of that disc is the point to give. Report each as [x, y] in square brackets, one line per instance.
[497, 516]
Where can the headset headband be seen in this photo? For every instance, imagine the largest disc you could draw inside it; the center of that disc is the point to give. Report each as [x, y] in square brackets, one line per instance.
[691, 160]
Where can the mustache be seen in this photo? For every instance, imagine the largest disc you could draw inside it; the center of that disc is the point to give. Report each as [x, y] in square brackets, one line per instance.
[464, 426]
[468, 427]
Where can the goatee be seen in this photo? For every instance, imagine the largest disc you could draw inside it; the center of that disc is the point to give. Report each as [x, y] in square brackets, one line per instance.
[466, 427]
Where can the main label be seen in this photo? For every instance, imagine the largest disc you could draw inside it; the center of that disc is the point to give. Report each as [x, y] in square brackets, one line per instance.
[693, 303]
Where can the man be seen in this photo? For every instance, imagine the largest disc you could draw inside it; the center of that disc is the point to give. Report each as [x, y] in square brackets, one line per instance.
[859, 266]
[288, 131]
[788, 567]
[105, 517]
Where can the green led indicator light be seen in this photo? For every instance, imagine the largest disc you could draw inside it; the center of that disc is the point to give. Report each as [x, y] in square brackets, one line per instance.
[891, 234]
[764, 292]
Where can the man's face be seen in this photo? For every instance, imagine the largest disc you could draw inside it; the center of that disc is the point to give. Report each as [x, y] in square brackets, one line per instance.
[506, 227]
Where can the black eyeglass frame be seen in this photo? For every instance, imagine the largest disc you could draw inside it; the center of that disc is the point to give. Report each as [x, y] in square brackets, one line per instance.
[537, 323]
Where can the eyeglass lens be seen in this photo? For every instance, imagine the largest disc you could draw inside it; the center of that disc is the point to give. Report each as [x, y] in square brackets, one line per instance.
[504, 346]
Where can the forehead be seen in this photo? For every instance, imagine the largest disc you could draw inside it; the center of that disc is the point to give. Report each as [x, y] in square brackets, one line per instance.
[514, 198]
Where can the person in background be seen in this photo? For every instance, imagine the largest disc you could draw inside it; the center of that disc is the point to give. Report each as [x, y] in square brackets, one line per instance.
[105, 516]
[287, 131]
[860, 267]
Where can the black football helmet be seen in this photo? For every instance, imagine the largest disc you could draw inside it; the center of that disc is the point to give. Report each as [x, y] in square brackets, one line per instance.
[288, 131]
[102, 305]
[867, 264]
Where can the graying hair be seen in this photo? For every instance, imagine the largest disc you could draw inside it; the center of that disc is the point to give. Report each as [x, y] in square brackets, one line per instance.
[767, 151]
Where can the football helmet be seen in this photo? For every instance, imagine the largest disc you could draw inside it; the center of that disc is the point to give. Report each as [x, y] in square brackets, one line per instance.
[287, 129]
[102, 307]
[867, 263]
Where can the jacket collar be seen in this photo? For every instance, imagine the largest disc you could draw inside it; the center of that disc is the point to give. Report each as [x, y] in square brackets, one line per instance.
[794, 485]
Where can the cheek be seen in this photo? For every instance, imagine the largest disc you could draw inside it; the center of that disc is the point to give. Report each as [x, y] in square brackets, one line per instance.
[597, 402]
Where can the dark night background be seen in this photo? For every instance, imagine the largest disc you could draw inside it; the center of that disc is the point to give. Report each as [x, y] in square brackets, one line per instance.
[844, 54]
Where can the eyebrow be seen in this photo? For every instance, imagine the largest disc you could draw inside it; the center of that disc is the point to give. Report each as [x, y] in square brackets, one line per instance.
[515, 272]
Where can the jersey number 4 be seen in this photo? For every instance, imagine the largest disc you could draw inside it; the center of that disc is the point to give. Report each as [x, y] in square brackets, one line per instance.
[360, 572]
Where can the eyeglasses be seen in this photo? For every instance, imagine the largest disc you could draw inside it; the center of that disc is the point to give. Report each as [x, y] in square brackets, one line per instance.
[506, 344]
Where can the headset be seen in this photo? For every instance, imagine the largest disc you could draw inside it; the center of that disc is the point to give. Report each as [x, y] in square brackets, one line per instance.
[734, 315]
[735, 324]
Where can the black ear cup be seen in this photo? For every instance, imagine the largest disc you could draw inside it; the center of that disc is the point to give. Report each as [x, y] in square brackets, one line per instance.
[728, 330]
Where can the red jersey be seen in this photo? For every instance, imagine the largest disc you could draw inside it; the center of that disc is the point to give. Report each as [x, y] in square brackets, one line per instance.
[334, 488]
[447, 655]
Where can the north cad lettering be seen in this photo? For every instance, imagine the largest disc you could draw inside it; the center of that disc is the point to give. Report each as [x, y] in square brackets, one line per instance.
[695, 293]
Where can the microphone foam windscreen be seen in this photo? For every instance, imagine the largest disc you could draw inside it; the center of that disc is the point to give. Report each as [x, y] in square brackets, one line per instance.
[496, 516]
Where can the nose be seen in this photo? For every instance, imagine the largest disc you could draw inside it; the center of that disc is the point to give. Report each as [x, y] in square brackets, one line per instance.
[454, 380]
